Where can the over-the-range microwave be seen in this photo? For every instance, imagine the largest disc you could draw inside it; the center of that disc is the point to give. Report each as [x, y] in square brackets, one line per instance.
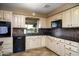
[56, 24]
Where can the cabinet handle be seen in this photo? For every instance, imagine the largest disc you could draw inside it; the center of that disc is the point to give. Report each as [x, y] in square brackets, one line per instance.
[71, 24]
[69, 43]
[70, 48]
[57, 43]
[69, 53]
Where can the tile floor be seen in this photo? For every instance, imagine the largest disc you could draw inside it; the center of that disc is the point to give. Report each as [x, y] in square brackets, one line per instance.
[36, 52]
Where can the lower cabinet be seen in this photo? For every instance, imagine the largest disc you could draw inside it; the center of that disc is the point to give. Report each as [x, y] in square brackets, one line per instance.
[55, 45]
[7, 46]
[61, 47]
[35, 42]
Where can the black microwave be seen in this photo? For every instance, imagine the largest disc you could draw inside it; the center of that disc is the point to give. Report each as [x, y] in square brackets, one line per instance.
[5, 29]
[56, 24]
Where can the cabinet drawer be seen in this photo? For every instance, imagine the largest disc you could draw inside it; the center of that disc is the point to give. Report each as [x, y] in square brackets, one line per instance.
[76, 44]
[70, 53]
[67, 42]
[6, 51]
[74, 53]
[67, 55]
[67, 52]
[62, 40]
[7, 47]
[71, 48]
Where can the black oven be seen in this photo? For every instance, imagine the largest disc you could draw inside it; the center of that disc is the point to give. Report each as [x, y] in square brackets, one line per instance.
[5, 29]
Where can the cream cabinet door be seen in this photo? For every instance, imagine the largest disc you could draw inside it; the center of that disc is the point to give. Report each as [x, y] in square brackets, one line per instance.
[27, 45]
[66, 20]
[15, 21]
[7, 15]
[75, 17]
[61, 49]
[49, 43]
[43, 41]
[22, 21]
[1, 14]
[7, 45]
[19, 21]
[33, 42]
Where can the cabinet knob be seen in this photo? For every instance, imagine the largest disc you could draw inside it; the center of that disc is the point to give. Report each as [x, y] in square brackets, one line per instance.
[69, 43]
[57, 43]
[69, 53]
[70, 48]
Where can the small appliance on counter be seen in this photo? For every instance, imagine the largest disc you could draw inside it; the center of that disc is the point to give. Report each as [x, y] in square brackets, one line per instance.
[18, 40]
[56, 24]
[5, 29]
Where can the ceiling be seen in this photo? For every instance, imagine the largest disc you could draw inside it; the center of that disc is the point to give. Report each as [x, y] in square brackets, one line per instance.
[43, 8]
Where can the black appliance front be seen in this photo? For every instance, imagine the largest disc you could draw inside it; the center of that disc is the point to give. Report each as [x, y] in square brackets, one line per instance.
[56, 24]
[18, 43]
[5, 29]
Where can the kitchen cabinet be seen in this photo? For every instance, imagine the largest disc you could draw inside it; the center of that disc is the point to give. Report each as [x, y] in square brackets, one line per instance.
[19, 21]
[55, 45]
[66, 19]
[5, 15]
[49, 42]
[71, 48]
[42, 23]
[75, 16]
[71, 17]
[61, 49]
[35, 42]
[60, 46]
[1, 14]
[43, 41]
[7, 47]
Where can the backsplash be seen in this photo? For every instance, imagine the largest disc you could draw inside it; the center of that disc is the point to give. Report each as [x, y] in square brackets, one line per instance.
[66, 33]
[18, 32]
[44, 31]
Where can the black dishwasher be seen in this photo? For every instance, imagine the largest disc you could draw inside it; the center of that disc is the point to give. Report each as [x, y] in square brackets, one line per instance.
[18, 44]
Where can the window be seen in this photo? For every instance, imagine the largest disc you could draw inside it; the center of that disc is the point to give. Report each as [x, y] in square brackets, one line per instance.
[31, 26]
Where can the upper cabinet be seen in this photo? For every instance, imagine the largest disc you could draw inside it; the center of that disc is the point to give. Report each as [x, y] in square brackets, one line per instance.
[71, 18]
[19, 21]
[1, 14]
[66, 19]
[75, 17]
[42, 23]
[5, 15]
